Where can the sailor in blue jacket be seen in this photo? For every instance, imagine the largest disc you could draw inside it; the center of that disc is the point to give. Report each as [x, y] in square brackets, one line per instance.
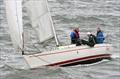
[99, 36]
[74, 35]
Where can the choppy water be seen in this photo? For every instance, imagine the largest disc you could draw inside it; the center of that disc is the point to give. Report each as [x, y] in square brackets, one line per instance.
[88, 14]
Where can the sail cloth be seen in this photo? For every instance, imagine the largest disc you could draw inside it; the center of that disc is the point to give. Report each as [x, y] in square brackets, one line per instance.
[14, 19]
[40, 19]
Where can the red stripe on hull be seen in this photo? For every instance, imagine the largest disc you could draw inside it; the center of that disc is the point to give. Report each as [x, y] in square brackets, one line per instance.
[80, 59]
[65, 51]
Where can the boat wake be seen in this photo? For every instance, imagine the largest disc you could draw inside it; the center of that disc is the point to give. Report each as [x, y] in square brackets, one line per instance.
[115, 56]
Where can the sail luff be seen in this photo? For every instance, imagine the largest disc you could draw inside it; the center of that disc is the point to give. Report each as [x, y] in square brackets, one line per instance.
[14, 20]
[53, 27]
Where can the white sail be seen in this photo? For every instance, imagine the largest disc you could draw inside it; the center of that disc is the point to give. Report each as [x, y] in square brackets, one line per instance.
[40, 19]
[14, 19]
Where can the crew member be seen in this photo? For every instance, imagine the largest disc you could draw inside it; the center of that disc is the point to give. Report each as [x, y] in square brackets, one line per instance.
[91, 40]
[99, 36]
[75, 37]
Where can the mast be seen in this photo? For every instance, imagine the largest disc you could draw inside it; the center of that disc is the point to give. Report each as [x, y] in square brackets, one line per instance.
[14, 20]
[22, 48]
[23, 44]
[22, 33]
[53, 27]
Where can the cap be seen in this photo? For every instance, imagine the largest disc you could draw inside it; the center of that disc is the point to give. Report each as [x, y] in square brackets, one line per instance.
[88, 33]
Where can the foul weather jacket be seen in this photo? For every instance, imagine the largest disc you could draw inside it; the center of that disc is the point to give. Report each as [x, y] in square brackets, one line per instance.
[100, 37]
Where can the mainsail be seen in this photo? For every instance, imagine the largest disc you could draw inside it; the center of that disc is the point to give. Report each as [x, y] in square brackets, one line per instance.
[41, 19]
[14, 19]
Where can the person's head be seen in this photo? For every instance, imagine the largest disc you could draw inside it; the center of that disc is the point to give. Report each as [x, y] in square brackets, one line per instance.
[98, 29]
[89, 33]
[76, 29]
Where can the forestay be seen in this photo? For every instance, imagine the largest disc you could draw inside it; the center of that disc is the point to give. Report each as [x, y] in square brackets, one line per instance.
[40, 19]
[14, 19]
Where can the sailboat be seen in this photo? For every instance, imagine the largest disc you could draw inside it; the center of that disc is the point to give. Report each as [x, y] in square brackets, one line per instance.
[41, 21]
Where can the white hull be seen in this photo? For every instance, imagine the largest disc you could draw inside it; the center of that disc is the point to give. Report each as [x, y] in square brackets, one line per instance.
[68, 54]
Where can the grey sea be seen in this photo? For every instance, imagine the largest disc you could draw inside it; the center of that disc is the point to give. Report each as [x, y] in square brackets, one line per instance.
[88, 14]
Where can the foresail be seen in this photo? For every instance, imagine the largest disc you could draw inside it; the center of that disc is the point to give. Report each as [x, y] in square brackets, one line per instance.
[14, 19]
[40, 19]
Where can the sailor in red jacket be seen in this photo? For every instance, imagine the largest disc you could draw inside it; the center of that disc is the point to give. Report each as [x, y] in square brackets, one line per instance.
[74, 35]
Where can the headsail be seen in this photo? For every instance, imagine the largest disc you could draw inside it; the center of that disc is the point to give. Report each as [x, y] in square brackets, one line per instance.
[40, 19]
[14, 19]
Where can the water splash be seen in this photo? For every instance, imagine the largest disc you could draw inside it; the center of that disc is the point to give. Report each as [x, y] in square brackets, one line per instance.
[115, 56]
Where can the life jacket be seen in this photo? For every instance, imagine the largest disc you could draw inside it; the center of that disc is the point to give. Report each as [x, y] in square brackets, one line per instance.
[74, 37]
[76, 34]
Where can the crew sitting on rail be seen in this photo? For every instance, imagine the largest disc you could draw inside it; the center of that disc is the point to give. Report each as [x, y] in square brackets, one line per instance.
[91, 40]
[75, 37]
[99, 36]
